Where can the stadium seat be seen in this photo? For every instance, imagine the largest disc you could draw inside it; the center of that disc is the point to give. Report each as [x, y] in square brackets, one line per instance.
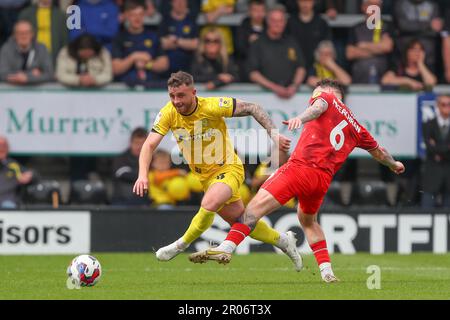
[44, 192]
[88, 192]
[372, 192]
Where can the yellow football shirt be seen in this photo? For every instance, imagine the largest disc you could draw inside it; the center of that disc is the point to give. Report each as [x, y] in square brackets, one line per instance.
[201, 136]
[44, 27]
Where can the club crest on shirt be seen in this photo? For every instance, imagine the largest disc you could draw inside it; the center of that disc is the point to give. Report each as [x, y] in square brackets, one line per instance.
[292, 55]
[148, 43]
[186, 29]
[158, 117]
[223, 102]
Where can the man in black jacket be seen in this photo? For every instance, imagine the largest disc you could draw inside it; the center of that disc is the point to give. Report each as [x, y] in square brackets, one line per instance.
[436, 135]
[248, 32]
[275, 61]
[126, 168]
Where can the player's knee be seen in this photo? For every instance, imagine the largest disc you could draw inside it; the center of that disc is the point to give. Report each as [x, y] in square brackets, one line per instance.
[211, 204]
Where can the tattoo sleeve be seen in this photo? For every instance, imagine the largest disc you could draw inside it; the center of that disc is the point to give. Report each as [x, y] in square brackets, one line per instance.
[246, 109]
[249, 219]
[314, 111]
[383, 156]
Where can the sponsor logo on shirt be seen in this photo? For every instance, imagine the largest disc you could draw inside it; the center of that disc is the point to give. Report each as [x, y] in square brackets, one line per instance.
[223, 102]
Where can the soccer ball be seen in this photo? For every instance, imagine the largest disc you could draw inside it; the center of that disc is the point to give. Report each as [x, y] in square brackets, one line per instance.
[84, 271]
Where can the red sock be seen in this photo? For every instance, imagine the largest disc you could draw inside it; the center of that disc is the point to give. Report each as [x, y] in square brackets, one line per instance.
[238, 233]
[320, 252]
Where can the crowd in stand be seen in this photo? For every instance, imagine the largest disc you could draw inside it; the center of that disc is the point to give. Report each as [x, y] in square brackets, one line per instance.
[279, 45]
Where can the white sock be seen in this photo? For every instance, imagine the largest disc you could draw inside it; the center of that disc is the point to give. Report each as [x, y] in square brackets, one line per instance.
[282, 242]
[325, 268]
[226, 246]
[181, 244]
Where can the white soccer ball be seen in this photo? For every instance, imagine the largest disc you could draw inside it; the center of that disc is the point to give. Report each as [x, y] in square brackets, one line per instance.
[84, 271]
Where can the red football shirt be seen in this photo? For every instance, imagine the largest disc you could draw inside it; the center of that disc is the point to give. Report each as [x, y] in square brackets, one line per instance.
[326, 142]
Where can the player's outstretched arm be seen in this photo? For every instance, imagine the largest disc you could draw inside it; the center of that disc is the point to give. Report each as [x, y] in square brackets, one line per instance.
[384, 157]
[252, 109]
[145, 158]
[312, 112]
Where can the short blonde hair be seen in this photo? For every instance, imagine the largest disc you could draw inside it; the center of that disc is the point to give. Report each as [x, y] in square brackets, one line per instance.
[180, 78]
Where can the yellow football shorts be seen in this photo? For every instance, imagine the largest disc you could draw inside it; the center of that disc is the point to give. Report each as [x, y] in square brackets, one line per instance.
[232, 175]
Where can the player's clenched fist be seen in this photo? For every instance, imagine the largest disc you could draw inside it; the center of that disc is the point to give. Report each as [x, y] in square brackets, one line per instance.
[294, 123]
[141, 186]
[398, 167]
[283, 142]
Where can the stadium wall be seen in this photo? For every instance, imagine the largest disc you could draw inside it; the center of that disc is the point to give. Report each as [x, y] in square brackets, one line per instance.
[68, 122]
[116, 230]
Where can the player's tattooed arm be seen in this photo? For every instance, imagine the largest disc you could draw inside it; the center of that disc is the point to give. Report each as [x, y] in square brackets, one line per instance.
[244, 109]
[384, 157]
[252, 109]
[312, 112]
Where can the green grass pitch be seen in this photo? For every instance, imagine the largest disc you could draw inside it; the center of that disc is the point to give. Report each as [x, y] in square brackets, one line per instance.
[254, 277]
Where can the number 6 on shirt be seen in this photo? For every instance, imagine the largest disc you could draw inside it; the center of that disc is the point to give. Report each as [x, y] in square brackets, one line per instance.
[337, 131]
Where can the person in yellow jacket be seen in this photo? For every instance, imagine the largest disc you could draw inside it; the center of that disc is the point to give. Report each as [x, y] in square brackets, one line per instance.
[160, 176]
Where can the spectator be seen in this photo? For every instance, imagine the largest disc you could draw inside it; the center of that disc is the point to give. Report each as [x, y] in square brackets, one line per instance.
[212, 63]
[152, 16]
[369, 50]
[446, 46]
[99, 18]
[411, 73]
[248, 32]
[12, 177]
[23, 60]
[418, 19]
[137, 55]
[164, 7]
[50, 25]
[436, 174]
[9, 13]
[275, 61]
[330, 7]
[214, 10]
[126, 169]
[151, 12]
[326, 66]
[243, 6]
[84, 63]
[308, 29]
[160, 176]
[179, 36]
[64, 4]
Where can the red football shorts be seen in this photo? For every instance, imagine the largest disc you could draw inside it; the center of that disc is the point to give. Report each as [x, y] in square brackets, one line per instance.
[308, 185]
